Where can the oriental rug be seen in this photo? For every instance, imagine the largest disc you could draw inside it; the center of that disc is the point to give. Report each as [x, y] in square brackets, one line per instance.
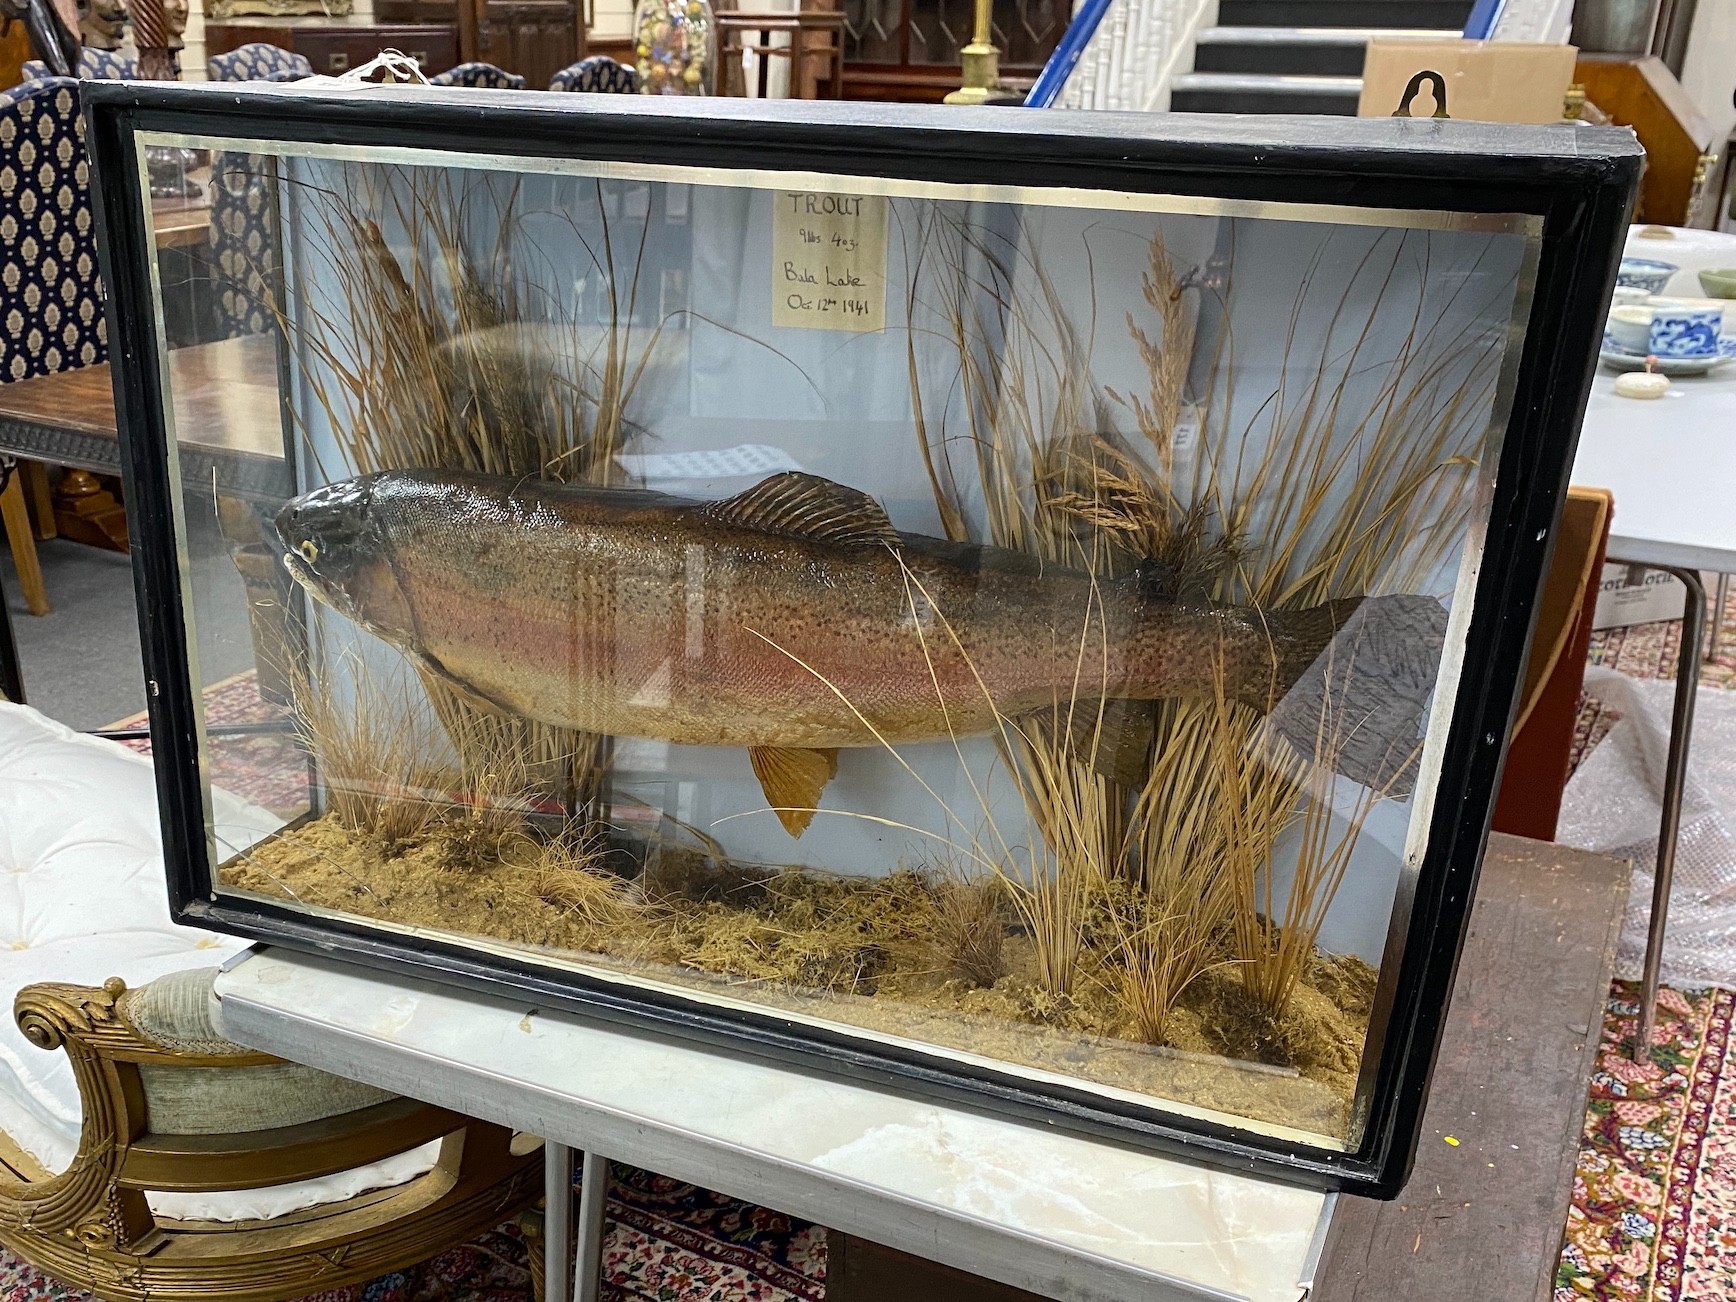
[1653, 1215]
[667, 1242]
[265, 767]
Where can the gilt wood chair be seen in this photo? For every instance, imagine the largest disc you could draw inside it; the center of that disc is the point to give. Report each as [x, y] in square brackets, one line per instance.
[170, 1105]
[189, 1167]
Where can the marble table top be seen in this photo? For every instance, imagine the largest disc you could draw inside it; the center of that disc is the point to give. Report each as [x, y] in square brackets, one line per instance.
[1040, 1209]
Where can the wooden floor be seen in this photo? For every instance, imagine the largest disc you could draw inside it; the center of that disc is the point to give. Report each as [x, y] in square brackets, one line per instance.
[1483, 1218]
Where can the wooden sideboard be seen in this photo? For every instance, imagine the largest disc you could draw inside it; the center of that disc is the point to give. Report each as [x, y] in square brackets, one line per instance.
[534, 38]
[334, 45]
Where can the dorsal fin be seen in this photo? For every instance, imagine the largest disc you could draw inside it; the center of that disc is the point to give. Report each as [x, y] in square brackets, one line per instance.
[807, 506]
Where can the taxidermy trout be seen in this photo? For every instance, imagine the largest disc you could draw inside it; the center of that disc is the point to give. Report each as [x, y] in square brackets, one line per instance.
[794, 620]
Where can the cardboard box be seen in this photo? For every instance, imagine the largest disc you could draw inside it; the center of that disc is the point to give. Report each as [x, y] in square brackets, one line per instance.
[1630, 594]
[1488, 81]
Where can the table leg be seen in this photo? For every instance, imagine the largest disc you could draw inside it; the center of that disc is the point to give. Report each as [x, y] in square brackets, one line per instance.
[22, 538]
[11, 674]
[1718, 604]
[1675, 779]
[557, 1222]
[593, 1224]
[40, 496]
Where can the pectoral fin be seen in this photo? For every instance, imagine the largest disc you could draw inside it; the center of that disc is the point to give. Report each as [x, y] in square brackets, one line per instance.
[792, 779]
[1116, 743]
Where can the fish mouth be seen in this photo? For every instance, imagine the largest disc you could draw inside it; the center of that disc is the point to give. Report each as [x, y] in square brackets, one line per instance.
[334, 596]
[311, 579]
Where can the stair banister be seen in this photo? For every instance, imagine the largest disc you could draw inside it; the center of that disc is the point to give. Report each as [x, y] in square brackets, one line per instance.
[1047, 88]
[1121, 54]
[1545, 22]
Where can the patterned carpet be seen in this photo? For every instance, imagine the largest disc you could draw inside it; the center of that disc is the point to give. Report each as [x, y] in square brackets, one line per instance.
[1653, 1217]
[266, 768]
[667, 1242]
[1654, 1203]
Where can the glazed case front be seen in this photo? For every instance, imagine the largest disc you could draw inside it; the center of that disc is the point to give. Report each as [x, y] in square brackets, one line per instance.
[1020, 606]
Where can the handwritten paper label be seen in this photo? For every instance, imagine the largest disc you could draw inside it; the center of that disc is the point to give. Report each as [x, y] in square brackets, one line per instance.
[829, 261]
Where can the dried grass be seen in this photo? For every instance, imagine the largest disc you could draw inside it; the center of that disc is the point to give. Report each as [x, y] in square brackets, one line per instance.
[969, 929]
[372, 752]
[431, 352]
[1323, 505]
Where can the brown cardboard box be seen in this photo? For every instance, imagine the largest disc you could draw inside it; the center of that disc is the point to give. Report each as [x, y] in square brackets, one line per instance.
[1489, 81]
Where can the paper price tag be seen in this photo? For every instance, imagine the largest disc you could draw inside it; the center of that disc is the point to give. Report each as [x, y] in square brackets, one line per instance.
[829, 261]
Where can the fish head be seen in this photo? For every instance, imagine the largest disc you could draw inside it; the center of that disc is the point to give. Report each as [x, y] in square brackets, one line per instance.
[336, 545]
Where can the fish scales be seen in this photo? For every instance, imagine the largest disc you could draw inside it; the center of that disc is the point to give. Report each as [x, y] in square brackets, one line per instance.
[626, 613]
[794, 620]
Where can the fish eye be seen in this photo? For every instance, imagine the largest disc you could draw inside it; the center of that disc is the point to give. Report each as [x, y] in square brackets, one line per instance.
[309, 552]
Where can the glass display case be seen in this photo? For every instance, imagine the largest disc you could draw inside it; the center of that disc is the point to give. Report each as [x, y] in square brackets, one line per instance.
[1021, 606]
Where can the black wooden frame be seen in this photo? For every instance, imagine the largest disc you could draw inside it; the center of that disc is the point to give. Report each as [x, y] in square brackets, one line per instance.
[1580, 182]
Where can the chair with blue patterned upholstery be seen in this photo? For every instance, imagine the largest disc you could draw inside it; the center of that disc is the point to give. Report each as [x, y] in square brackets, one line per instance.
[599, 73]
[51, 317]
[484, 75]
[50, 293]
[93, 65]
[242, 242]
[258, 61]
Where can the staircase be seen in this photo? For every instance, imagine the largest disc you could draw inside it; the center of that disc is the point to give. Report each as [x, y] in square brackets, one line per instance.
[1300, 56]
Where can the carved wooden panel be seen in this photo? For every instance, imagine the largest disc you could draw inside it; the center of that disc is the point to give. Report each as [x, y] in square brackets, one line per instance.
[534, 38]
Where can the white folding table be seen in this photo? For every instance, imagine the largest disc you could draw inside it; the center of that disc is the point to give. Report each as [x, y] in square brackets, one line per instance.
[1028, 1205]
[1670, 464]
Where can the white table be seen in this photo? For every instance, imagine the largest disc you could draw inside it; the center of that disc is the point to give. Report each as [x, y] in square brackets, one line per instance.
[1028, 1205]
[1671, 465]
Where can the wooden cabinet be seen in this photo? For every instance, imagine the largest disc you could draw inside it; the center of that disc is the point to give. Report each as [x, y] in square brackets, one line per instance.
[534, 38]
[335, 45]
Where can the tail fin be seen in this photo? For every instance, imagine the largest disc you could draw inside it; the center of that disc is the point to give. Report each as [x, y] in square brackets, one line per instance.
[1352, 681]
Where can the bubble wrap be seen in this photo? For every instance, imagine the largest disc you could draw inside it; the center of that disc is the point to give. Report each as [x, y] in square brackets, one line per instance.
[1612, 805]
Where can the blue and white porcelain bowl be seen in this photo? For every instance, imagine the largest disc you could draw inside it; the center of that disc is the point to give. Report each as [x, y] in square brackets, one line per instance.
[1618, 358]
[1649, 274]
[1669, 327]
[1686, 329]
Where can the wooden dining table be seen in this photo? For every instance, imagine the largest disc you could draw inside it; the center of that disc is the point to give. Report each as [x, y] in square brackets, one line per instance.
[225, 416]
[180, 223]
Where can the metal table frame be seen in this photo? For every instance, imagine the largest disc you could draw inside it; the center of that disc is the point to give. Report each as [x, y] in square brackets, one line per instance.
[1675, 781]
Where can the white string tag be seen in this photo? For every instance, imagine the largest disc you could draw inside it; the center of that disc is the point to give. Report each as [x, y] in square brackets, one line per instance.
[398, 67]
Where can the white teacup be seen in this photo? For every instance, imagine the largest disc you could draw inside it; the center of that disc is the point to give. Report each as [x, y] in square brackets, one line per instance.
[1628, 294]
[1683, 328]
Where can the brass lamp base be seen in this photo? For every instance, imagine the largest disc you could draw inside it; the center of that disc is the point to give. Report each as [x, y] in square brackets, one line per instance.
[981, 65]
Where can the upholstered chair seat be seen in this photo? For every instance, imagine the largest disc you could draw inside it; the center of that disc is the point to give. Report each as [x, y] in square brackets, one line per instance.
[598, 74]
[258, 61]
[483, 75]
[93, 65]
